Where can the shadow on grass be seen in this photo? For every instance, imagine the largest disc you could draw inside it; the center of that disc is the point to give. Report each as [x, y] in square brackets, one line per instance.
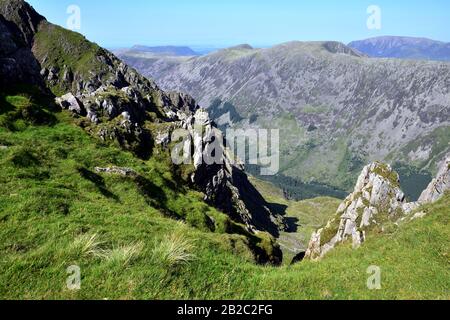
[5, 106]
[154, 195]
[98, 181]
[291, 224]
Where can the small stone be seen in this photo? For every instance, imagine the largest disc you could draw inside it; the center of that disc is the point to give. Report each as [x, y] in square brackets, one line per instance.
[126, 172]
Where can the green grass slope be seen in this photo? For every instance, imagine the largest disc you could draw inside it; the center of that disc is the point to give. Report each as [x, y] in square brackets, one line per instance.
[152, 238]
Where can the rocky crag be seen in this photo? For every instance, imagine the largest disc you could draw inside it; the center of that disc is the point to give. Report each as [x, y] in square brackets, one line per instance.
[376, 204]
[439, 185]
[115, 103]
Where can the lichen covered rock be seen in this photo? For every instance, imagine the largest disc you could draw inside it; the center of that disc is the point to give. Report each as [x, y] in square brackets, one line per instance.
[439, 185]
[376, 199]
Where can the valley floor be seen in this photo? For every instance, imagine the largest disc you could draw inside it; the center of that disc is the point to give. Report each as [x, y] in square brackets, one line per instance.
[302, 217]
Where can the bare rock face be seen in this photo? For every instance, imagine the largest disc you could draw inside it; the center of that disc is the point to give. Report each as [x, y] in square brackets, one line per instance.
[377, 198]
[22, 17]
[439, 185]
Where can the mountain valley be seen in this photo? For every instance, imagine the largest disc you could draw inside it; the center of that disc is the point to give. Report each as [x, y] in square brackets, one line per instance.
[88, 181]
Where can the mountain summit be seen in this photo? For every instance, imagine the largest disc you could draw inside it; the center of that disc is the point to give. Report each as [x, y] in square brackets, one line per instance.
[403, 48]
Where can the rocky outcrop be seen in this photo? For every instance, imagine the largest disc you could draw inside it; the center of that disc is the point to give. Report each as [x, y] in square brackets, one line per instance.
[439, 185]
[222, 179]
[376, 201]
[18, 22]
[435, 190]
[71, 103]
[376, 198]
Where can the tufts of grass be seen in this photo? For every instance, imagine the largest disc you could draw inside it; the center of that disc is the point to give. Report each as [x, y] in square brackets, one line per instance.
[174, 251]
[86, 245]
[122, 255]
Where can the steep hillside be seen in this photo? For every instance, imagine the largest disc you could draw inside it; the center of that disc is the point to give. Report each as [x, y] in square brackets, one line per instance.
[336, 109]
[57, 212]
[403, 48]
[115, 105]
[69, 199]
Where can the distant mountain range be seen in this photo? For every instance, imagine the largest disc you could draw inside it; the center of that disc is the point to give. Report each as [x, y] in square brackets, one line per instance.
[166, 50]
[378, 47]
[403, 48]
[337, 109]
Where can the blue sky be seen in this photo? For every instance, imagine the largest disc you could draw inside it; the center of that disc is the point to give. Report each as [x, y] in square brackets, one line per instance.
[220, 23]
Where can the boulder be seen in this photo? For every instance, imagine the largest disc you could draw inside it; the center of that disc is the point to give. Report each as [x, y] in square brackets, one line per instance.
[71, 103]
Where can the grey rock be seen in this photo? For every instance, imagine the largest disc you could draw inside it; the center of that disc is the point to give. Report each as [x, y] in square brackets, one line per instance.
[92, 116]
[24, 17]
[120, 103]
[53, 74]
[17, 63]
[439, 185]
[126, 172]
[71, 103]
[377, 197]
[44, 72]
[67, 76]
[163, 138]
